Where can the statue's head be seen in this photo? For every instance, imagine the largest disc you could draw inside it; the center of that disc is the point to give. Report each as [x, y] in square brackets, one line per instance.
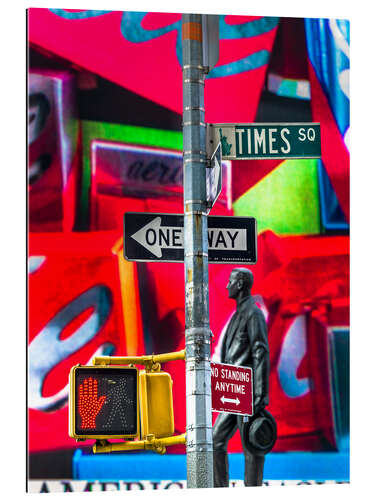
[240, 282]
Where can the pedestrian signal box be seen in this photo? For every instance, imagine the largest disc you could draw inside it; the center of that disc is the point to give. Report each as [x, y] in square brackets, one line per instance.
[156, 402]
[103, 402]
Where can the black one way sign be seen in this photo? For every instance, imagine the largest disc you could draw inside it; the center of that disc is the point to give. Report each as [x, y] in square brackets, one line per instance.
[160, 237]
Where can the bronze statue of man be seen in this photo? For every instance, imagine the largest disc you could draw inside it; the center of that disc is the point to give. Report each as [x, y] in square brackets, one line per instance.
[245, 343]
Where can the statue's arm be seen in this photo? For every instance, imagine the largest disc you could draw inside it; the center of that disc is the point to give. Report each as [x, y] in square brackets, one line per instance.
[261, 360]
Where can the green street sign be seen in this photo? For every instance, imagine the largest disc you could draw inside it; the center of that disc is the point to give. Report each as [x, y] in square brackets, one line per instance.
[265, 140]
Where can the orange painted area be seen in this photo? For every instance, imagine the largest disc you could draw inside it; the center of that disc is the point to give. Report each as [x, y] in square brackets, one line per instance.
[130, 302]
[192, 31]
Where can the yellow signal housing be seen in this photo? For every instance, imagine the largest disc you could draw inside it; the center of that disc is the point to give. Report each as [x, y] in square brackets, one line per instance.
[156, 404]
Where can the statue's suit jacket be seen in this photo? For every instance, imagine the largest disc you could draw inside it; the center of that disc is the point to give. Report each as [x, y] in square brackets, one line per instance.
[246, 344]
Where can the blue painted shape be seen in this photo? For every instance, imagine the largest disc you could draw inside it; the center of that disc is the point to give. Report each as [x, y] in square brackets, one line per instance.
[328, 43]
[133, 31]
[301, 466]
[339, 343]
[83, 14]
[293, 350]
[130, 466]
[35, 262]
[248, 63]
[136, 466]
[332, 216]
[248, 29]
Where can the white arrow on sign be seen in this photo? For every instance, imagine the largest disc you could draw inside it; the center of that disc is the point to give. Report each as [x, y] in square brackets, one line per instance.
[229, 400]
[154, 237]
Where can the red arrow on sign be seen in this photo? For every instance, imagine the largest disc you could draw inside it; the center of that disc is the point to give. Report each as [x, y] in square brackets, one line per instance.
[232, 389]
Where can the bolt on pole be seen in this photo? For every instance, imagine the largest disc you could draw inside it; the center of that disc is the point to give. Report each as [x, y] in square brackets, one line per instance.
[199, 455]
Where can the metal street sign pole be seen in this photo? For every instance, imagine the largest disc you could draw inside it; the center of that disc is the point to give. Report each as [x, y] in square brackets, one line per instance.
[199, 454]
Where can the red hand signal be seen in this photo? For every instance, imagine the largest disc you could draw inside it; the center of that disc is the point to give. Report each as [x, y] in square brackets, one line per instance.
[88, 403]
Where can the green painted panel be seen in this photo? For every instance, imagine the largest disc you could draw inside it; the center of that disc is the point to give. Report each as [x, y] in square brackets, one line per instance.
[286, 201]
[118, 133]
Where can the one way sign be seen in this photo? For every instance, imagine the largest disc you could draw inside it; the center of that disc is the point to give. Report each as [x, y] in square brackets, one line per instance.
[160, 237]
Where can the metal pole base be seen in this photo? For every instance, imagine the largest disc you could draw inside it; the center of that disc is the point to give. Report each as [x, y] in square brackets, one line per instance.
[199, 469]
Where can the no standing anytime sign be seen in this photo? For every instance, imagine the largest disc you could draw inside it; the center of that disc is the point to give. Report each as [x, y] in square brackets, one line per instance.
[232, 389]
